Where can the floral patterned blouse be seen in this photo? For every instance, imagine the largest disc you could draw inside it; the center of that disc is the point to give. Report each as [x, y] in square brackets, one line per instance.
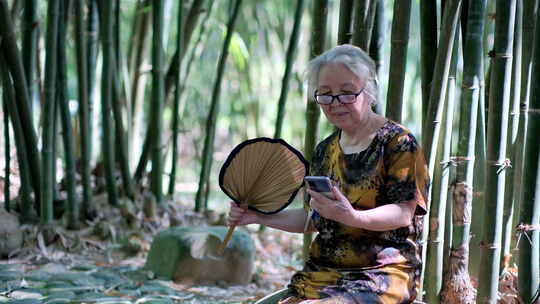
[361, 265]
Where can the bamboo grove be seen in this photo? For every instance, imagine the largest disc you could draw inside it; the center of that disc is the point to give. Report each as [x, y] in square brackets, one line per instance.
[128, 95]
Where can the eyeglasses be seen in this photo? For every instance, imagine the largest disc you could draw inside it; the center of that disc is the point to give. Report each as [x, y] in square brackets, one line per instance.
[327, 99]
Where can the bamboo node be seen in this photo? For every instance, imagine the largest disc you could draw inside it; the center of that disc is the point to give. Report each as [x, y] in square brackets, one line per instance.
[526, 227]
[532, 111]
[489, 246]
[448, 163]
[523, 229]
[462, 159]
[502, 165]
[493, 54]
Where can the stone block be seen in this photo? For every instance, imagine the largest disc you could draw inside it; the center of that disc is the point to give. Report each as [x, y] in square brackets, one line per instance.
[189, 254]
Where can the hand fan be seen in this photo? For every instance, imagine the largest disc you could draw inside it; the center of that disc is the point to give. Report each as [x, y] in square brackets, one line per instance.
[262, 174]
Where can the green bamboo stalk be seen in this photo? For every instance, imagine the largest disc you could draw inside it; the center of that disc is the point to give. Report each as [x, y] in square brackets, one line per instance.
[137, 53]
[376, 44]
[157, 99]
[457, 278]
[49, 112]
[62, 100]
[7, 157]
[29, 46]
[92, 46]
[117, 27]
[496, 152]
[428, 48]
[431, 126]
[313, 112]
[194, 51]
[439, 193]
[192, 20]
[145, 154]
[28, 213]
[529, 13]
[398, 59]
[289, 62]
[431, 122]
[529, 219]
[345, 21]
[84, 117]
[106, 17]
[120, 135]
[12, 55]
[513, 127]
[200, 202]
[479, 181]
[364, 12]
[176, 104]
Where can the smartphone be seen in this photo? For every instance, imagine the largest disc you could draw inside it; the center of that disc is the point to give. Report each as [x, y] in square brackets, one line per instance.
[321, 184]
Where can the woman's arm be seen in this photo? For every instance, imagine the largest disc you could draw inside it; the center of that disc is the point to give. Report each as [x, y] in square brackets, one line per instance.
[382, 218]
[288, 220]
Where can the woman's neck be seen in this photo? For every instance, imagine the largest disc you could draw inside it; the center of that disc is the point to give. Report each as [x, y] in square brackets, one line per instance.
[364, 131]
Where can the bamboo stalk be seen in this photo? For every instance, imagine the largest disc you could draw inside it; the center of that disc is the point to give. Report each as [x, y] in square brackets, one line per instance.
[49, 112]
[313, 112]
[176, 104]
[12, 55]
[441, 179]
[513, 127]
[345, 21]
[92, 46]
[119, 132]
[290, 57]
[428, 49]
[529, 219]
[200, 202]
[431, 121]
[61, 96]
[137, 53]
[529, 14]
[28, 212]
[29, 46]
[457, 286]
[431, 126]
[376, 44]
[191, 22]
[363, 11]
[84, 117]
[157, 99]
[7, 157]
[479, 181]
[398, 59]
[145, 154]
[496, 152]
[106, 16]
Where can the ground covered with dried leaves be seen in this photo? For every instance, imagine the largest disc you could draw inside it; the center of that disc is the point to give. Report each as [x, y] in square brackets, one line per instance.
[103, 261]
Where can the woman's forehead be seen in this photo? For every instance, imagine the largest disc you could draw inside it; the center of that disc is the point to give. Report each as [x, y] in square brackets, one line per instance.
[337, 75]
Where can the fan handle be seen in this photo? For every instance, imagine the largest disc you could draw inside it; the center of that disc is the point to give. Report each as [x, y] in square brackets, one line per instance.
[226, 240]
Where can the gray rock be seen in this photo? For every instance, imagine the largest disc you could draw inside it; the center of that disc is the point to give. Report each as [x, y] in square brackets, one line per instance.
[11, 236]
[189, 254]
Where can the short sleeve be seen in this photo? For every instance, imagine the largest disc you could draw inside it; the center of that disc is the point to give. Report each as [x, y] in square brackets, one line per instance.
[406, 173]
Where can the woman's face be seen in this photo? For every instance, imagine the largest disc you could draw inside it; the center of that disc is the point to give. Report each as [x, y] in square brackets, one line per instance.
[335, 79]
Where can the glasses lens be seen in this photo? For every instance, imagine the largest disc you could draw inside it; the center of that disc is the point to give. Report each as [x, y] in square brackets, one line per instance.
[347, 98]
[324, 99]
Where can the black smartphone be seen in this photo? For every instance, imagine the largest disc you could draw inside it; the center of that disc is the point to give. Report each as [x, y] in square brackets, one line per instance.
[321, 184]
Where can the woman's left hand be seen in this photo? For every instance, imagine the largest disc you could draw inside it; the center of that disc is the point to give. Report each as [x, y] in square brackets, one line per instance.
[339, 210]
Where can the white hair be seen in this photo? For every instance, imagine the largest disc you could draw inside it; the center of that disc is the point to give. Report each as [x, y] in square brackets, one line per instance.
[354, 58]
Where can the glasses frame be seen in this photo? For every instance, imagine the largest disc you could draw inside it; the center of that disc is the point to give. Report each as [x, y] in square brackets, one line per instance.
[315, 95]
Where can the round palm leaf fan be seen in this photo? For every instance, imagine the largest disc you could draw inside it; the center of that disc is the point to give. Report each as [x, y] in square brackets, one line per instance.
[262, 174]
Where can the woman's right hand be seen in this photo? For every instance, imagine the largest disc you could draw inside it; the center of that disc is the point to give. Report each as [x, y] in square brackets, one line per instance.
[238, 216]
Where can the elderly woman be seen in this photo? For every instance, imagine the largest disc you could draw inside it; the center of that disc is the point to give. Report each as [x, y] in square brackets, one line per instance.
[367, 249]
